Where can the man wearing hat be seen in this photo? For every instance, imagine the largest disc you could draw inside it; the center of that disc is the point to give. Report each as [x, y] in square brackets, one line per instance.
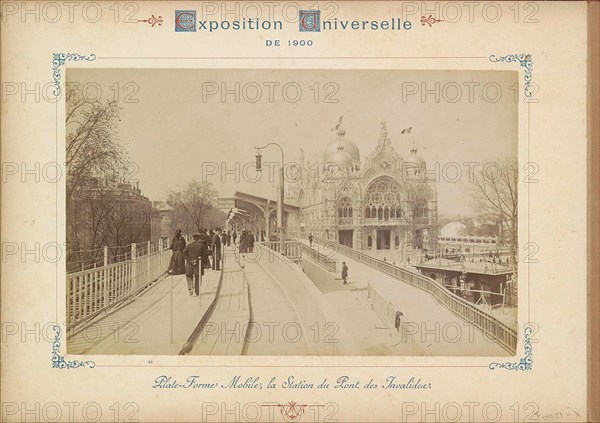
[193, 253]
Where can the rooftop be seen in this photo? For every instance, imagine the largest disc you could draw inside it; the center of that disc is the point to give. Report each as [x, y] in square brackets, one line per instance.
[477, 267]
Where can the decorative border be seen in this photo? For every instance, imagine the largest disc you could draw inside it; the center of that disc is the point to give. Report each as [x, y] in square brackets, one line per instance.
[58, 60]
[526, 363]
[59, 362]
[430, 20]
[153, 21]
[526, 61]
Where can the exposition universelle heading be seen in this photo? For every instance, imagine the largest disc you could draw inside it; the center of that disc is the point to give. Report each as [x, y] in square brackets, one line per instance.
[391, 24]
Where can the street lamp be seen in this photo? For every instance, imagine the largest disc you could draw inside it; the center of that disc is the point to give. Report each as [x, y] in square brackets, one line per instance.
[280, 191]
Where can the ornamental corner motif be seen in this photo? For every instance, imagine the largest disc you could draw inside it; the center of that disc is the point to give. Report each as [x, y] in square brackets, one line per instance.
[526, 362]
[526, 61]
[58, 60]
[58, 361]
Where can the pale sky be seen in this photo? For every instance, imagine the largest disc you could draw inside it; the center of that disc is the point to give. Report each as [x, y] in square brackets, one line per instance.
[172, 129]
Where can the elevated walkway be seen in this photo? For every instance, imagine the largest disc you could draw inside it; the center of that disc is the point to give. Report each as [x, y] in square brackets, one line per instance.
[252, 315]
[157, 322]
[430, 328]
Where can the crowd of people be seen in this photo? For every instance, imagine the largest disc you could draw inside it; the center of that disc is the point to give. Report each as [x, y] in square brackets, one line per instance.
[205, 251]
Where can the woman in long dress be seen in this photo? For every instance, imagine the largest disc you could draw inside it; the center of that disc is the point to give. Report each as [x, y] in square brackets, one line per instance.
[177, 265]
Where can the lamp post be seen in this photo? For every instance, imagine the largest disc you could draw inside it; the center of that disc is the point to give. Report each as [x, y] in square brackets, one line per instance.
[280, 192]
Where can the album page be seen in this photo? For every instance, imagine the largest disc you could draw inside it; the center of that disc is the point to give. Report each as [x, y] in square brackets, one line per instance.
[294, 211]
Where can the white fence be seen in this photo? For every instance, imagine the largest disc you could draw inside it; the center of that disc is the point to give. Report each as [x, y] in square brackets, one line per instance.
[93, 291]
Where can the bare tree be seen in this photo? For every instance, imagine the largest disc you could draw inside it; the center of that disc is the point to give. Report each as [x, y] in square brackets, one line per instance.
[103, 209]
[92, 148]
[191, 206]
[415, 206]
[87, 213]
[494, 192]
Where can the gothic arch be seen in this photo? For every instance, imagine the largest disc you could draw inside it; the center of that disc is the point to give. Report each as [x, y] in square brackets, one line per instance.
[383, 199]
[344, 207]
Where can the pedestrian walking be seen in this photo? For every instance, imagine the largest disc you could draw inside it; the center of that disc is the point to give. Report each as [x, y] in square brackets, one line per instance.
[234, 236]
[216, 265]
[344, 272]
[223, 238]
[177, 264]
[193, 253]
[310, 239]
[251, 241]
[206, 256]
[243, 242]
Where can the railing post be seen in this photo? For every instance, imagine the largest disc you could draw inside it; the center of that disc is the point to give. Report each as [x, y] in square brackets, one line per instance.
[105, 278]
[160, 255]
[148, 277]
[134, 269]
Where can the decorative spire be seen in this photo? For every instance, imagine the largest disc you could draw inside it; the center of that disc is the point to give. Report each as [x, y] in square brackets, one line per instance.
[383, 133]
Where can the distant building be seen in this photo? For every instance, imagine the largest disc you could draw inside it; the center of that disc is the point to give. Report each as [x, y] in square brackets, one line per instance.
[165, 213]
[380, 205]
[481, 280]
[99, 215]
[155, 225]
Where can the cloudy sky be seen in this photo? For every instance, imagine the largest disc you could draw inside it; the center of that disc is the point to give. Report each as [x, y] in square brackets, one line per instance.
[174, 120]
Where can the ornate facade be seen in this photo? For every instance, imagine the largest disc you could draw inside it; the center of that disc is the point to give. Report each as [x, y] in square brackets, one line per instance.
[385, 204]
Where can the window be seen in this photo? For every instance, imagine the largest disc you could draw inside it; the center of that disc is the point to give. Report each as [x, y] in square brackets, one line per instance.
[383, 198]
[345, 207]
[369, 241]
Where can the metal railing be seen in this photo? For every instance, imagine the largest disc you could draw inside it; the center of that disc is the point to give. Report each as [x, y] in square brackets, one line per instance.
[322, 259]
[92, 291]
[291, 249]
[387, 313]
[324, 333]
[504, 335]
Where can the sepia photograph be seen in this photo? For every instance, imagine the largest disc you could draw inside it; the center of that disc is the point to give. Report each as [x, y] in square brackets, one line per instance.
[276, 212]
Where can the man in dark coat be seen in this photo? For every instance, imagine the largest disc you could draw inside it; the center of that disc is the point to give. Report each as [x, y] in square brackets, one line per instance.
[243, 244]
[344, 272]
[177, 264]
[234, 236]
[310, 239]
[216, 247]
[251, 241]
[193, 253]
[206, 244]
[223, 238]
[228, 238]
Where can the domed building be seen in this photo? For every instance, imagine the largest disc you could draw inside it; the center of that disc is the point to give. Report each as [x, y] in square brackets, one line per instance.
[383, 205]
[341, 152]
